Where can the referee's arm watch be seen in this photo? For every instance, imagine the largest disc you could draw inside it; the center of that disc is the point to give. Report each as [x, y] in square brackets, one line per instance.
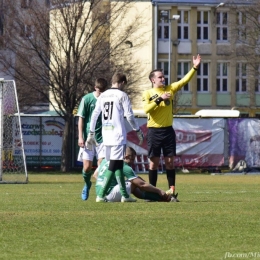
[195, 68]
[158, 100]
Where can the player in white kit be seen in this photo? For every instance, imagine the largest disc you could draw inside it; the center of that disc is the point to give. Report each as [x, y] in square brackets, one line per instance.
[114, 104]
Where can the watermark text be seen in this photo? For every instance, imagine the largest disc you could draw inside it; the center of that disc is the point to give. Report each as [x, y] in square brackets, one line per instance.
[242, 255]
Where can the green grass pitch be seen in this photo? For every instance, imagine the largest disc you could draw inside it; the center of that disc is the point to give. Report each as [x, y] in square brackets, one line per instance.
[217, 218]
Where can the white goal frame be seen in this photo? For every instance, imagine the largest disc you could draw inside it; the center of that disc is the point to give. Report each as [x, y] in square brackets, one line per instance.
[12, 156]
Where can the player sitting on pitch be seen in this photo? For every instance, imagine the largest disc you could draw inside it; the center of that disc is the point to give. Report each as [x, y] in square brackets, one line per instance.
[134, 184]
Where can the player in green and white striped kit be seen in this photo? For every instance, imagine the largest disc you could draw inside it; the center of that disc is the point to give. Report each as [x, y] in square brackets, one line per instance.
[85, 110]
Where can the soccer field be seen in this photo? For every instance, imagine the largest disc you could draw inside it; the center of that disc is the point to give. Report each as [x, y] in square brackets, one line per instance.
[217, 218]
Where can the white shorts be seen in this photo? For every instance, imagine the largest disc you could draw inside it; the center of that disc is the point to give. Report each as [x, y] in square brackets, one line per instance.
[85, 154]
[115, 152]
[115, 195]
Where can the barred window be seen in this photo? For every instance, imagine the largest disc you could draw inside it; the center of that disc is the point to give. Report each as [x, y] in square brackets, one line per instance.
[241, 77]
[203, 25]
[183, 69]
[183, 25]
[222, 77]
[203, 77]
[222, 26]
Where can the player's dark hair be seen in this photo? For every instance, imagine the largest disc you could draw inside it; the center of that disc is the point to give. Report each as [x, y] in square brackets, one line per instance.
[119, 78]
[151, 75]
[101, 84]
[130, 151]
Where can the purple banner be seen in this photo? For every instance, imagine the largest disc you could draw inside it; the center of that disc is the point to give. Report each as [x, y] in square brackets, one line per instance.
[244, 141]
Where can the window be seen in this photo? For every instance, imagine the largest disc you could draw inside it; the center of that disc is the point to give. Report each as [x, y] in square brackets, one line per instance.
[163, 25]
[26, 3]
[26, 31]
[183, 25]
[1, 24]
[203, 77]
[222, 26]
[241, 77]
[164, 65]
[222, 77]
[203, 25]
[183, 69]
[241, 26]
[257, 80]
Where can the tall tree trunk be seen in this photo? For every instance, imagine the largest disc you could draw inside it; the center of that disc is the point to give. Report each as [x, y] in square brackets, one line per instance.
[66, 153]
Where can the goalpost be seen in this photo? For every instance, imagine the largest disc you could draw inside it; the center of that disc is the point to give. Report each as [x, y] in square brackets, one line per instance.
[12, 157]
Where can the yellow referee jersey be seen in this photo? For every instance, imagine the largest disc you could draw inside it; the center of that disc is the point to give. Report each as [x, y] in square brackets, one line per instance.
[161, 115]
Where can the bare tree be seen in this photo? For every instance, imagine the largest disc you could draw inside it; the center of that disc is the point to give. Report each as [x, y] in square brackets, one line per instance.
[180, 104]
[245, 28]
[245, 32]
[58, 51]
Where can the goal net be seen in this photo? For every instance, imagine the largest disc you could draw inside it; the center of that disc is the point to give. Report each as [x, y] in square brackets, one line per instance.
[13, 165]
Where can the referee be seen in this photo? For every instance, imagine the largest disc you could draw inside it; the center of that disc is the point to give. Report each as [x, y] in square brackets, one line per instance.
[157, 104]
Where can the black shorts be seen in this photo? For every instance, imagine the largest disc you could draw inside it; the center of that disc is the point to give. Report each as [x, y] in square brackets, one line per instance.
[161, 140]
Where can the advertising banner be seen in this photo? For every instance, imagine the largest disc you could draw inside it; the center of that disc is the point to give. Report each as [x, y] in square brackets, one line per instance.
[244, 141]
[200, 142]
[42, 139]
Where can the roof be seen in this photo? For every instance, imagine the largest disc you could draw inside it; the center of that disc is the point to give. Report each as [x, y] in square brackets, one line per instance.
[218, 113]
[200, 2]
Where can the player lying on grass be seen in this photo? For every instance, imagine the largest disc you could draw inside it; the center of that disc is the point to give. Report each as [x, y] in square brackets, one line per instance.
[134, 184]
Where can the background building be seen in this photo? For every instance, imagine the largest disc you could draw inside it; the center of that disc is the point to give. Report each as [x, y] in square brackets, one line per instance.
[224, 79]
[18, 32]
[217, 31]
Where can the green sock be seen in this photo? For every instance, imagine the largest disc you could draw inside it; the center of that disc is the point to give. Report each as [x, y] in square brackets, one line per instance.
[106, 183]
[87, 176]
[121, 182]
[151, 196]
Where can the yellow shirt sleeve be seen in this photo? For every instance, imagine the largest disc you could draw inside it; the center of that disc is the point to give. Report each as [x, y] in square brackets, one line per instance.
[148, 102]
[176, 86]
